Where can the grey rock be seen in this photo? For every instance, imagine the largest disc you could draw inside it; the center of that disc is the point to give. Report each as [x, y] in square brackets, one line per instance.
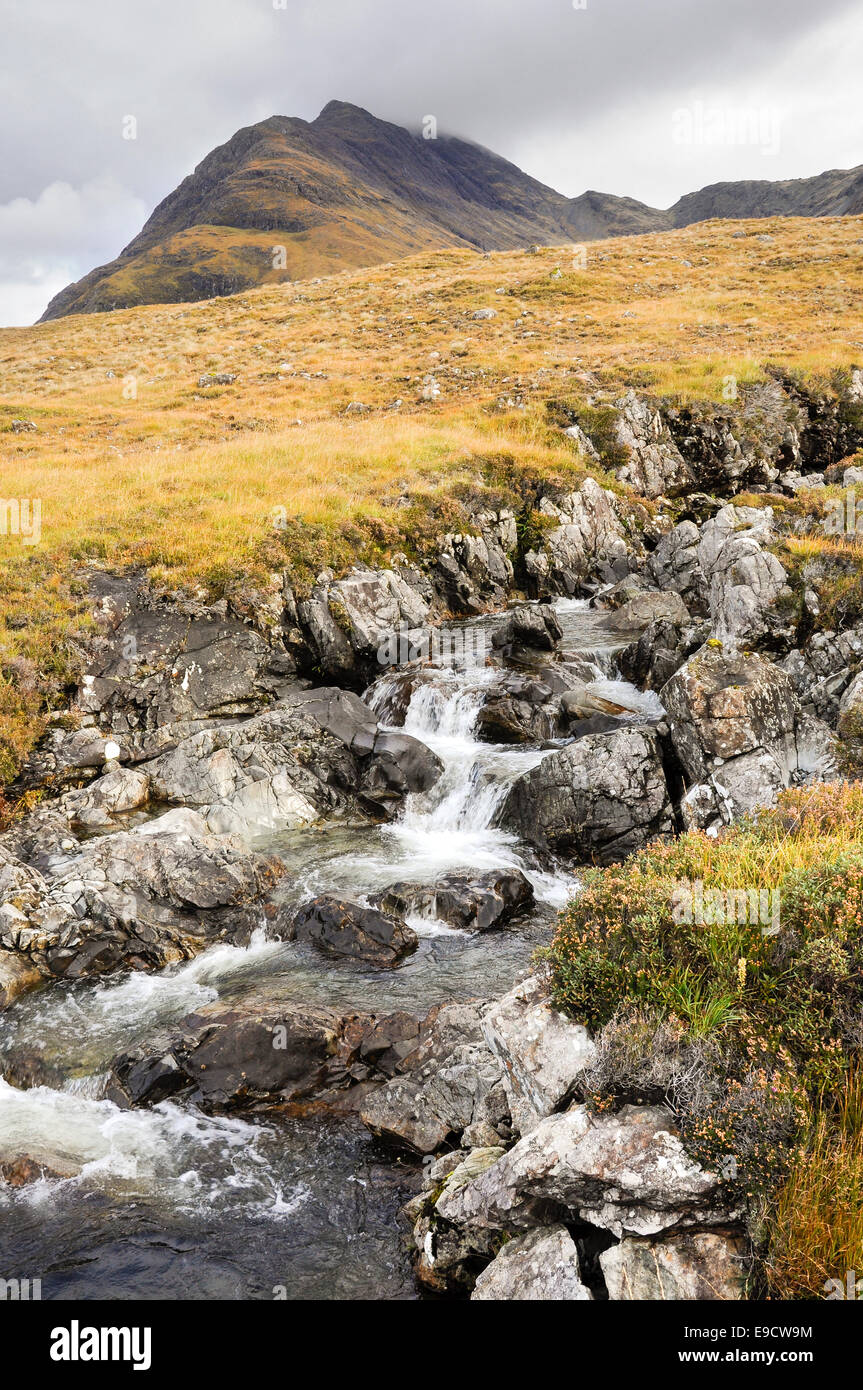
[541, 1265]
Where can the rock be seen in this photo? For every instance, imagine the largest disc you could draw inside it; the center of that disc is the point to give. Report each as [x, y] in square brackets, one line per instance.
[541, 1265]
[157, 663]
[21, 1171]
[316, 753]
[346, 929]
[141, 900]
[626, 1172]
[474, 570]
[850, 723]
[649, 608]
[120, 790]
[675, 564]
[745, 580]
[449, 1083]
[351, 623]
[704, 1265]
[468, 901]
[17, 976]
[823, 669]
[659, 652]
[217, 379]
[542, 1052]
[600, 798]
[739, 734]
[448, 1257]
[589, 542]
[655, 467]
[228, 1058]
[531, 626]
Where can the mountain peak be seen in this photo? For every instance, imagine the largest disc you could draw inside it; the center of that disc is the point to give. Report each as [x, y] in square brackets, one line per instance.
[349, 189]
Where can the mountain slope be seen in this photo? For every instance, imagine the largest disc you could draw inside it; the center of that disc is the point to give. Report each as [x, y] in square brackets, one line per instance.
[348, 190]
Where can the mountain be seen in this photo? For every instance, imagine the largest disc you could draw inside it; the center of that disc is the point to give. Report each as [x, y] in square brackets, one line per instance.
[348, 190]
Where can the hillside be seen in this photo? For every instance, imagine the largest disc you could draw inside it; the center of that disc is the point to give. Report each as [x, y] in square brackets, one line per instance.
[348, 190]
[359, 407]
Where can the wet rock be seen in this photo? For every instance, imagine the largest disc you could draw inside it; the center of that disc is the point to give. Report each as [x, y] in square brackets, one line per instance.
[529, 626]
[232, 1058]
[17, 976]
[703, 1265]
[600, 798]
[21, 1171]
[541, 1265]
[625, 1172]
[471, 902]
[346, 929]
[542, 1052]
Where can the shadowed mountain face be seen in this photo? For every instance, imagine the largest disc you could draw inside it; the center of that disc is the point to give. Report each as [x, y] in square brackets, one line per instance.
[288, 199]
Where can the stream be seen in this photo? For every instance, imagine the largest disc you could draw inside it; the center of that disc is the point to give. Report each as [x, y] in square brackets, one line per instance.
[171, 1203]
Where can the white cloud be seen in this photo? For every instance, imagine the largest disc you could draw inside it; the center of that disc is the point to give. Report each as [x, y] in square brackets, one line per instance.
[48, 241]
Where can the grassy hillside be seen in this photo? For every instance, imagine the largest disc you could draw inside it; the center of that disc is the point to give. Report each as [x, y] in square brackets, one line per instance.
[135, 462]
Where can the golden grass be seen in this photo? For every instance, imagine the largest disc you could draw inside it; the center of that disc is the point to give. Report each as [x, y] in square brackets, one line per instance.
[816, 1225]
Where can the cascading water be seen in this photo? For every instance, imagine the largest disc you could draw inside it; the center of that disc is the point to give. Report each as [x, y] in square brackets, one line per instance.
[167, 1202]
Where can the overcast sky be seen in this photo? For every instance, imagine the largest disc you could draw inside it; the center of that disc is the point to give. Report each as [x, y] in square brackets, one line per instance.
[580, 93]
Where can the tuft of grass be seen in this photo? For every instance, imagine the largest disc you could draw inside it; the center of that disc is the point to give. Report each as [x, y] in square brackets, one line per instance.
[815, 1228]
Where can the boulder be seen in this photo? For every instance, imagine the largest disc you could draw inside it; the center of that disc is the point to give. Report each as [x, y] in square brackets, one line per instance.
[626, 1172]
[599, 798]
[228, 1059]
[349, 623]
[542, 1052]
[703, 1265]
[143, 900]
[541, 1265]
[660, 651]
[360, 933]
[468, 901]
[740, 735]
[533, 627]
[647, 608]
[447, 1085]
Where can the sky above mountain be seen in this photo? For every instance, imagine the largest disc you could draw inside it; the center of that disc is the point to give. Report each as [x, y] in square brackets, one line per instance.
[107, 104]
